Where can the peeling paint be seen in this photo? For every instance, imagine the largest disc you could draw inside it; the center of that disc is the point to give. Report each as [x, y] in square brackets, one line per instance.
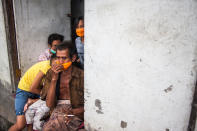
[98, 104]
[91, 60]
[99, 112]
[123, 124]
[167, 129]
[168, 89]
[87, 92]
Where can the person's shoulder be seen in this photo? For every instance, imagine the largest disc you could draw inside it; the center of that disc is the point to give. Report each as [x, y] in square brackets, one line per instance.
[77, 72]
[77, 40]
[77, 69]
[41, 66]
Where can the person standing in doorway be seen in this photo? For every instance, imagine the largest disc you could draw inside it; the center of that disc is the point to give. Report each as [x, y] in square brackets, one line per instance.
[79, 41]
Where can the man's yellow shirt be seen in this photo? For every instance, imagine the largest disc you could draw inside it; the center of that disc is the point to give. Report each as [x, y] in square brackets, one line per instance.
[31, 73]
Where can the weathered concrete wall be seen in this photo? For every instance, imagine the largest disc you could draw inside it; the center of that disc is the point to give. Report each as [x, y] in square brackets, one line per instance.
[4, 64]
[4, 126]
[140, 64]
[6, 99]
[35, 20]
[7, 111]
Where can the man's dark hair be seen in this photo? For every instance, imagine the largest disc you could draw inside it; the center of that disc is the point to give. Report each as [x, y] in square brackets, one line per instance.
[67, 45]
[52, 58]
[53, 37]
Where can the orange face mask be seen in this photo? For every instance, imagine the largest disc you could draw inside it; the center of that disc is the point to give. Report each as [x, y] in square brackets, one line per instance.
[65, 65]
[80, 32]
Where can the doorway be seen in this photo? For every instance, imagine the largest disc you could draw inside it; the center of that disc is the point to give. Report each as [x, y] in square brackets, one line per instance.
[77, 10]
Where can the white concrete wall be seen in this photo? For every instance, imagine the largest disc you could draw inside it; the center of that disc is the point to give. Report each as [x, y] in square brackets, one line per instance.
[140, 64]
[35, 20]
[4, 64]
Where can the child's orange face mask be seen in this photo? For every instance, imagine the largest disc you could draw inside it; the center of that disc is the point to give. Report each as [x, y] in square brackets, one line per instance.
[65, 65]
[80, 32]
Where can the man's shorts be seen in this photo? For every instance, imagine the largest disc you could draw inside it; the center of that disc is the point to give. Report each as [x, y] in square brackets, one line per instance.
[21, 99]
[35, 112]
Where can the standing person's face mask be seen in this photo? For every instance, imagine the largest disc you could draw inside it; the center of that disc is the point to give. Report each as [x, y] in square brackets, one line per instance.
[80, 32]
[52, 51]
[80, 29]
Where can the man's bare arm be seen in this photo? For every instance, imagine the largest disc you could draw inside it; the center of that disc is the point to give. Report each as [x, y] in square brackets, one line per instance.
[51, 94]
[78, 110]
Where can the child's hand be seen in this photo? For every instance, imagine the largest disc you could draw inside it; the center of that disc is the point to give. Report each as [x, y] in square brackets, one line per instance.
[25, 107]
[29, 102]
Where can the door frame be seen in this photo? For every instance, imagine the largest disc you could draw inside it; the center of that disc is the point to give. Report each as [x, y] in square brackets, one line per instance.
[10, 29]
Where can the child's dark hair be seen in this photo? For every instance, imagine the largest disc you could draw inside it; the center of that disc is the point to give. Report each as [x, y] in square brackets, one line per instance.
[53, 37]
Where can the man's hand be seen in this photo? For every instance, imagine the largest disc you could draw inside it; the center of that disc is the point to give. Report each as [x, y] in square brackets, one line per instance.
[68, 116]
[51, 95]
[56, 68]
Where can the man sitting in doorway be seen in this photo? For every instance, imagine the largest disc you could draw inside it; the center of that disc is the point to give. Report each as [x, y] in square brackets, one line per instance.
[37, 109]
[66, 92]
[53, 40]
[79, 41]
